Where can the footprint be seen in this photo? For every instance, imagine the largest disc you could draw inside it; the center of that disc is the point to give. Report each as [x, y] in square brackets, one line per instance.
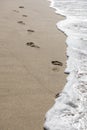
[29, 30]
[21, 22]
[57, 95]
[21, 7]
[16, 11]
[56, 69]
[57, 63]
[44, 128]
[31, 44]
[24, 15]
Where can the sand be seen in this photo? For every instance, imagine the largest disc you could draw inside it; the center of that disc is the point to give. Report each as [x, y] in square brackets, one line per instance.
[29, 42]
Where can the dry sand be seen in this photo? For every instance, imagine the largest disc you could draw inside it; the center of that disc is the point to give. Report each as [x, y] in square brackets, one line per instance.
[28, 79]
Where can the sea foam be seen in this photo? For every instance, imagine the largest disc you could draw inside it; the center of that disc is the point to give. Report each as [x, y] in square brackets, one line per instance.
[70, 109]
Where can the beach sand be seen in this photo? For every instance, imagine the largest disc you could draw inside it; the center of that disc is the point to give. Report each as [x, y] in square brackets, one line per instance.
[29, 77]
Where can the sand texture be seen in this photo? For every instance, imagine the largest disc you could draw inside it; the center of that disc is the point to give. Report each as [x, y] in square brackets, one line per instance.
[32, 62]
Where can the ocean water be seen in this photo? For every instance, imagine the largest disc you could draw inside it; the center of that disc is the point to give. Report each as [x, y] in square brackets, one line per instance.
[70, 109]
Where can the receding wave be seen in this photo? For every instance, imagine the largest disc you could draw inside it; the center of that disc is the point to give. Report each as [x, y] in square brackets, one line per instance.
[70, 109]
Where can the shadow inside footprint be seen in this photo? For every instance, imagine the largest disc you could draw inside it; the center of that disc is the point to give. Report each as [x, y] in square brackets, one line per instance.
[24, 15]
[57, 63]
[21, 7]
[21, 22]
[29, 30]
[31, 44]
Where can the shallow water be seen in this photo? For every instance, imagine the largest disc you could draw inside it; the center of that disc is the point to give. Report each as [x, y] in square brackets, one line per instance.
[70, 109]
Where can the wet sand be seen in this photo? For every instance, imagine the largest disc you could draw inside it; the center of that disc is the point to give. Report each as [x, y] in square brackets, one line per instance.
[32, 63]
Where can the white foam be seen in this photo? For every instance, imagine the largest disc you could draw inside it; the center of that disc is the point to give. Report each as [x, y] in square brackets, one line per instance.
[70, 109]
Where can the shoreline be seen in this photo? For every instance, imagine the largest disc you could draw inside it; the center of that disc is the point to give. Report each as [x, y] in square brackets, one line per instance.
[69, 110]
[30, 42]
